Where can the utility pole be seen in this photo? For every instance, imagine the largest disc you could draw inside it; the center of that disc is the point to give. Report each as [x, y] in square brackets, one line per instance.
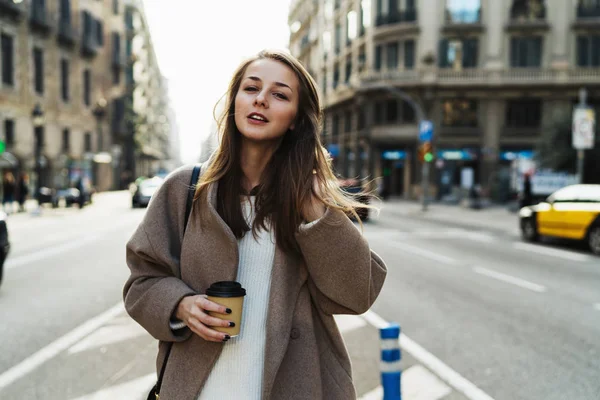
[583, 131]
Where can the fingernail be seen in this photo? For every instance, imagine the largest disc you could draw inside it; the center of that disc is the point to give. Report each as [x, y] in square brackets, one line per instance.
[231, 324]
[228, 311]
[227, 337]
[224, 340]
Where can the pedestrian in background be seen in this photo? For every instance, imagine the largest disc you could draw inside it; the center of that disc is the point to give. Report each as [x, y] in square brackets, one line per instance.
[526, 196]
[22, 190]
[269, 213]
[8, 192]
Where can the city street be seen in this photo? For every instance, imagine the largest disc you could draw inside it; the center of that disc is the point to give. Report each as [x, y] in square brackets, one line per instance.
[483, 315]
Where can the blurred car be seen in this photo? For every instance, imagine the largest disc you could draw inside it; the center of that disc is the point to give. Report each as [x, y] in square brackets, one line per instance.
[144, 190]
[4, 243]
[572, 212]
[354, 187]
[67, 196]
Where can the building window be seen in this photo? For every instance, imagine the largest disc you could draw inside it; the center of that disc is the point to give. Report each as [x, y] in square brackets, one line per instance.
[524, 113]
[338, 38]
[588, 9]
[391, 108]
[99, 32]
[66, 140]
[347, 121]
[64, 79]
[9, 132]
[463, 11]
[8, 70]
[459, 113]
[458, 53]
[87, 142]
[65, 12]
[392, 55]
[378, 113]
[335, 126]
[527, 10]
[348, 69]
[361, 120]
[378, 51]
[115, 7]
[588, 51]
[336, 75]
[408, 113]
[526, 51]
[38, 70]
[87, 83]
[409, 54]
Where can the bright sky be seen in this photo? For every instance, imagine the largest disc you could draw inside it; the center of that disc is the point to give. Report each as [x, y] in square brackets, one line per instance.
[199, 44]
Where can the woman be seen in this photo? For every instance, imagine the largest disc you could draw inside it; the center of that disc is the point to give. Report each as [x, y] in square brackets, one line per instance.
[8, 191]
[268, 213]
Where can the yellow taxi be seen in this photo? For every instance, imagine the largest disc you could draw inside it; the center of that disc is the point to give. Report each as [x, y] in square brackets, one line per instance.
[572, 212]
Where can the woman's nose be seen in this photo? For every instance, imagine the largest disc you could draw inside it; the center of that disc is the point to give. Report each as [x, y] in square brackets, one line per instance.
[260, 99]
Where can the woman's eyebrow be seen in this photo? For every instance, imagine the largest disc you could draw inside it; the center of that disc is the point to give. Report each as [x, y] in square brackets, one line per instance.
[280, 84]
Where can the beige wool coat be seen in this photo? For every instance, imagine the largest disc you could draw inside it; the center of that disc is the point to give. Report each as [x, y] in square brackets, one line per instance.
[305, 355]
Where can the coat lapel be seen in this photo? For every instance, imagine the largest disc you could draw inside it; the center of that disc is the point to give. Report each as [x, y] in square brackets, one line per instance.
[288, 276]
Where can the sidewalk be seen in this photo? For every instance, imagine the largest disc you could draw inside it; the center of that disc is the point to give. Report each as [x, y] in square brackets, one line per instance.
[494, 218]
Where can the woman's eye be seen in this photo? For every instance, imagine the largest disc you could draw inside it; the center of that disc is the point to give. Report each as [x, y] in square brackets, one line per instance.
[250, 89]
[281, 96]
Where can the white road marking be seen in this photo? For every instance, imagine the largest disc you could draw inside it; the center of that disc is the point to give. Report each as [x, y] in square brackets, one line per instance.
[59, 345]
[510, 279]
[447, 374]
[61, 248]
[425, 253]
[420, 384]
[597, 306]
[547, 251]
[130, 390]
[119, 330]
[347, 323]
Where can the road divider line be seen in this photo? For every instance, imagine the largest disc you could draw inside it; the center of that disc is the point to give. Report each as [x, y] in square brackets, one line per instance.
[510, 279]
[427, 254]
[74, 243]
[538, 249]
[431, 362]
[61, 344]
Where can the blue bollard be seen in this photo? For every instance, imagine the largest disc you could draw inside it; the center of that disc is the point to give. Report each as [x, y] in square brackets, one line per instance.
[390, 362]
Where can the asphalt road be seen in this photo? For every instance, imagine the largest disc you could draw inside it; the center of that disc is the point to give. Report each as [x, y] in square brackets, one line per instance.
[517, 321]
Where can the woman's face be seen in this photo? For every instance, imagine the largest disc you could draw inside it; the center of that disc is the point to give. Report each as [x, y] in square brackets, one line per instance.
[266, 103]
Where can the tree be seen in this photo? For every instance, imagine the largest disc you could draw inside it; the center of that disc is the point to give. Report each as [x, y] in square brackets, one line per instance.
[555, 151]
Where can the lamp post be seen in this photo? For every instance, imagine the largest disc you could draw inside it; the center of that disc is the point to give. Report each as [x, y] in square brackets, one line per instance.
[99, 112]
[37, 115]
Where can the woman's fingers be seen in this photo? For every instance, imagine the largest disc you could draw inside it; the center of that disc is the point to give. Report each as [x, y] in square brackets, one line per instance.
[205, 332]
[205, 304]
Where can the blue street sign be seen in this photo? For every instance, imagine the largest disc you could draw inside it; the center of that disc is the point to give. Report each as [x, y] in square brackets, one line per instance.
[425, 131]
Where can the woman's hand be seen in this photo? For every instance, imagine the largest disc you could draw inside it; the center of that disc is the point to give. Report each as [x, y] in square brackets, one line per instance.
[193, 311]
[313, 209]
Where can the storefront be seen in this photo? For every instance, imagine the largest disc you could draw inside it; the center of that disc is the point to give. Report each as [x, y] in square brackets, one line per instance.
[395, 170]
[458, 172]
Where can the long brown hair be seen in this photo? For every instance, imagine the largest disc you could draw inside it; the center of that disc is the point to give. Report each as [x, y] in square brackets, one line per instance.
[288, 179]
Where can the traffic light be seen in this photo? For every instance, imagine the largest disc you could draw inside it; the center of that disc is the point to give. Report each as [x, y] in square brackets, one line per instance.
[426, 152]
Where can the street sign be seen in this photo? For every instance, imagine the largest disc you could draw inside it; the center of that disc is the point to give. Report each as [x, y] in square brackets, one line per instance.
[584, 121]
[425, 131]
[2, 146]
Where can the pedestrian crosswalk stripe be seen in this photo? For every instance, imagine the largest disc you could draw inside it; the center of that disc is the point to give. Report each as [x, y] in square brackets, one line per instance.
[119, 330]
[135, 390]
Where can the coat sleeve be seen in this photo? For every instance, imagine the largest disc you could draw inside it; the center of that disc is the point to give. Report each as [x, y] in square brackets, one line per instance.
[153, 290]
[345, 275]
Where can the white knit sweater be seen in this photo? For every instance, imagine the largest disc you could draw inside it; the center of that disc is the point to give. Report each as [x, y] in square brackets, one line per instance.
[238, 372]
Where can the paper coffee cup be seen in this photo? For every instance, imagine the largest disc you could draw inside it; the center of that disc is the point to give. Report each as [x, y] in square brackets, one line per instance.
[231, 295]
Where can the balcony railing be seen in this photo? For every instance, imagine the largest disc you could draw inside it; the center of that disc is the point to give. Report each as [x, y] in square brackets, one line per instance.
[397, 17]
[463, 16]
[89, 46]
[67, 34]
[40, 20]
[482, 77]
[10, 8]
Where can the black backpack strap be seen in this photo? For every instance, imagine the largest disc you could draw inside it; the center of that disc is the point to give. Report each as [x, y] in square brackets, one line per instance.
[188, 209]
[191, 192]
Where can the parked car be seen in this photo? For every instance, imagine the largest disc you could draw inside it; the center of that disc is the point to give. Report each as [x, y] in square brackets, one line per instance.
[69, 196]
[4, 243]
[572, 212]
[353, 186]
[143, 191]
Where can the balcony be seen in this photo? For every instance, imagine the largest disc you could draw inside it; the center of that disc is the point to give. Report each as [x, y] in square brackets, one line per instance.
[476, 77]
[528, 20]
[67, 34]
[11, 9]
[396, 23]
[463, 21]
[39, 20]
[89, 47]
[118, 61]
[587, 17]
